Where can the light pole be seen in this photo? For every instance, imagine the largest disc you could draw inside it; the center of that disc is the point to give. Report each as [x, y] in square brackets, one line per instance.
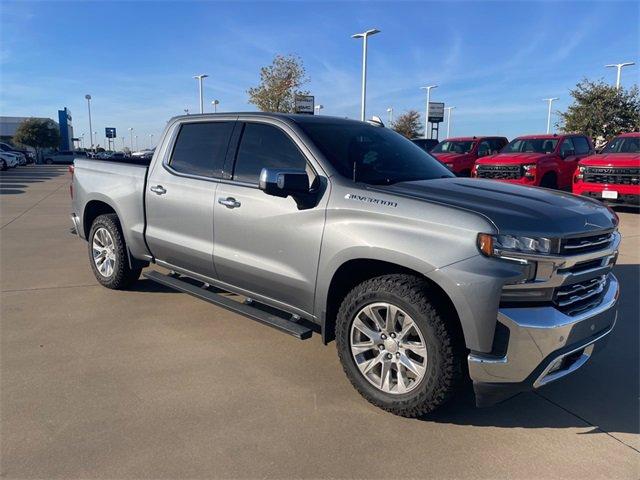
[449, 120]
[95, 134]
[215, 104]
[550, 101]
[363, 98]
[318, 108]
[201, 77]
[88, 97]
[131, 137]
[151, 140]
[426, 112]
[136, 137]
[82, 140]
[619, 66]
[390, 112]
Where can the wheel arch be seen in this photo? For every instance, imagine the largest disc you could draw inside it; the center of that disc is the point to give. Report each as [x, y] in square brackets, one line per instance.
[92, 210]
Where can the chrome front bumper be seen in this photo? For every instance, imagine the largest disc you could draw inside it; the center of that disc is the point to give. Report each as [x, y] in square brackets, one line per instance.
[545, 344]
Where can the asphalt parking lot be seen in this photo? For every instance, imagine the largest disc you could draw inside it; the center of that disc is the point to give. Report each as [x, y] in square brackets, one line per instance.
[155, 384]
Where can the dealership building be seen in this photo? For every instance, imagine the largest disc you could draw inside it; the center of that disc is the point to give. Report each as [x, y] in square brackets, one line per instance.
[9, 126]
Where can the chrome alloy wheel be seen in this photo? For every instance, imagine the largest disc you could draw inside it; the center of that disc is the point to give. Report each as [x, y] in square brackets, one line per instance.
[104, 252]
[388, 348]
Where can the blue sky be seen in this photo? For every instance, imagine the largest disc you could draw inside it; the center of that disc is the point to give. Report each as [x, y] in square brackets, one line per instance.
[493, 61]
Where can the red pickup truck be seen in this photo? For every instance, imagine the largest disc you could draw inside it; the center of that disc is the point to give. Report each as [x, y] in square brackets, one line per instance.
[460, 154]
[612, 176]
[537, 160]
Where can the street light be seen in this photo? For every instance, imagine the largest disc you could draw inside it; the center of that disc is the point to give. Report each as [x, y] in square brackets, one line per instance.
[201, 77]
[550, 100]
[136, 137]
[88, 97]
[131, 135]
[318, 108]
[151, 140]
[95, 134]
[449, 120]
[363, 98]
[426, 113]
[619, 66]
[215, 104]
[390, 112]
[82, 140]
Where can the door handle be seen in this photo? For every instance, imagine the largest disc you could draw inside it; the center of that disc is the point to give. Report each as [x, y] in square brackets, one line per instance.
[229, 202]
[158, 190]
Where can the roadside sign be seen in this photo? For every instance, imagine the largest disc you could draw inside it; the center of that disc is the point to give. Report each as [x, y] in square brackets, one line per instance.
[110, 132]
[304, 104]
[436, 112]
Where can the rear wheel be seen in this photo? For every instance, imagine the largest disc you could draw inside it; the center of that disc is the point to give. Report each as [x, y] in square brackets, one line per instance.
[395, 347]
[108, 254]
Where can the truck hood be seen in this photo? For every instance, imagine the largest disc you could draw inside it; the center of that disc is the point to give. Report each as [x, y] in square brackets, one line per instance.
[450, 157]
[512, 208]
[612, 160]
[513, 158]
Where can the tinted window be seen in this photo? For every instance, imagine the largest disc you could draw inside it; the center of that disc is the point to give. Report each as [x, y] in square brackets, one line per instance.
[497, 144]
[265, 146]
[581, 144]
[566, 147]
[454, 147]
[201, 148]
[623, 145]
[531, 145]
[377, 155]
[484, 148]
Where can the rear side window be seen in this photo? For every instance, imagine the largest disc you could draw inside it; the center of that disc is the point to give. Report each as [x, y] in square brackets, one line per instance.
[581, 144]
[200, 148]
[265, 146]
[497, 144]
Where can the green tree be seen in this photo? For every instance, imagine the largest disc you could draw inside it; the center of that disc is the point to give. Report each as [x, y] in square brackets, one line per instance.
[601, 111]
[38, 133]
[408, 124]
[280, 82]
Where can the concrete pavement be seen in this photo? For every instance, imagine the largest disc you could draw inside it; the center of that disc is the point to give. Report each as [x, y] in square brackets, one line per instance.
[151, 383]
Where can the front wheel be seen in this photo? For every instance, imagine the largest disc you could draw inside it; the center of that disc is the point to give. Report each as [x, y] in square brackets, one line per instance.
[395, 347]
[108, 254]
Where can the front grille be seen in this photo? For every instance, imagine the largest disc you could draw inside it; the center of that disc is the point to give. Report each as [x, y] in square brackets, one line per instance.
[612, 175]
[499, 172]
[585, 244]
[577, 297]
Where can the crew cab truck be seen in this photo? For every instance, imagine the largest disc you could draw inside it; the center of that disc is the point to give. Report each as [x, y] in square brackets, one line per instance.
[324, 224]
[614, 175]
[537, 160]
[460, 154]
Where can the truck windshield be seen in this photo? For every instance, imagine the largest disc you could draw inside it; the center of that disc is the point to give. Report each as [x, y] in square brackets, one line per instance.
[623, 145]
[453, 147]
[531, 145]
[377, 155]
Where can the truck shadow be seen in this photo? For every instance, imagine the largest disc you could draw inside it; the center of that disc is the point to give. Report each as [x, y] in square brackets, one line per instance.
[603, 394]
[16, 180]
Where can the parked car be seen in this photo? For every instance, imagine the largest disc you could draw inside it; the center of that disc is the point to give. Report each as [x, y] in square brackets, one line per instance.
[614, 175]
[426, 144]
[328, 224]
[537, 160]
[460, 154]
[63, 157]
[10, 158]
[29, 155]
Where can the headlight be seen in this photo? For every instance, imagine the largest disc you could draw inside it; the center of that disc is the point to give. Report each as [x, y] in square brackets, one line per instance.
[529, 170]
[582, 168]
[494, 245]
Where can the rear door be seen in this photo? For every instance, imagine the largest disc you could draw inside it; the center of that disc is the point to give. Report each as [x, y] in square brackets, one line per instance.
[180, 195]
[263, 244]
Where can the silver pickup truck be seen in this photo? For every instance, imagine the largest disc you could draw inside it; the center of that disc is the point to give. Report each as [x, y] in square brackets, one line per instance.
[320, 224]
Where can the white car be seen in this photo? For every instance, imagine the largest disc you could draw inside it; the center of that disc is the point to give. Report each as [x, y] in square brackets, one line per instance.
[10, 159]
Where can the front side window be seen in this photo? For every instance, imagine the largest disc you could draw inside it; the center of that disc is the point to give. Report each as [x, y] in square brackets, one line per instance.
[531, 145]
[484, 148]
[453, 147]
[200, 148]
[567, 148]
[623, 145]
[582, 145]
[265, 146]
[372, 154]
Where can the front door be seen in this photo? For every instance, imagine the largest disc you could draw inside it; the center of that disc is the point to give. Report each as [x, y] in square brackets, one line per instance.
[265, 244]
[180, 197]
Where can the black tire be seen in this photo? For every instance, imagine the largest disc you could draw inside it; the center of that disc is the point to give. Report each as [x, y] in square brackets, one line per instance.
[123, 276]
[549, 181]
[445, 350]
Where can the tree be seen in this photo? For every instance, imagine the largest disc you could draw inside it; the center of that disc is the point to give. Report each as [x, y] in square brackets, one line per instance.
[280, 82]
[408, 124]
[38, 133]
[601, 111]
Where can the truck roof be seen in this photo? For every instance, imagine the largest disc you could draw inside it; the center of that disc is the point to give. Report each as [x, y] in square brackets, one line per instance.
[291, 117]
[471, 139]
[549, 135]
